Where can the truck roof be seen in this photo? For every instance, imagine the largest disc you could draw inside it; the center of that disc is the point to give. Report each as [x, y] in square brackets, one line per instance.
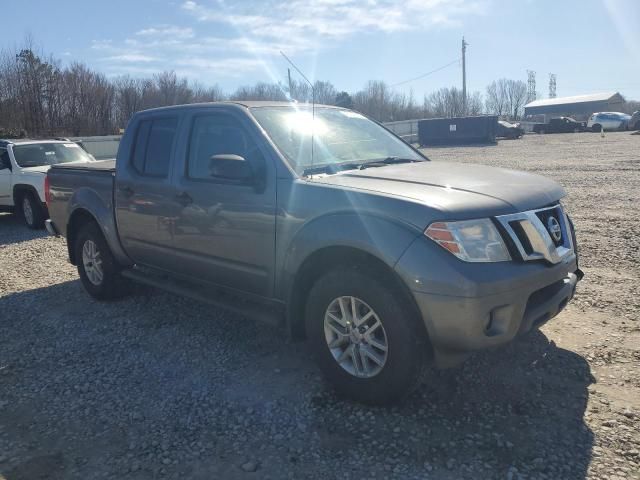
[242, 103]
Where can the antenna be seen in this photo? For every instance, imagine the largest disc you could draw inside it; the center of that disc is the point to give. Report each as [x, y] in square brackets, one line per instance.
[313, 102]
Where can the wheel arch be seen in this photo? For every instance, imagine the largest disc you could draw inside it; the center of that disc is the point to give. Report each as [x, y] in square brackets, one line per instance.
[20, 189]
[89, 204]
[79, 218]
[329, 258]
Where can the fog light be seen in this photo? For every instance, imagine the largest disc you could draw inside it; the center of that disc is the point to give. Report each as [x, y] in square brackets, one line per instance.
[499, 319]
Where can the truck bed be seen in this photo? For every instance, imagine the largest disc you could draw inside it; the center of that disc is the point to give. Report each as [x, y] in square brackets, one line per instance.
[90, 184]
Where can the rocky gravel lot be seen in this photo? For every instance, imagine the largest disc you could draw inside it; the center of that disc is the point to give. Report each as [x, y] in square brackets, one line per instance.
[156, 386]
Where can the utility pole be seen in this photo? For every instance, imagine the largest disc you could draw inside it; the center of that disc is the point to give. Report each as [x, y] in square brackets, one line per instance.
[464, 76]
[290, 89]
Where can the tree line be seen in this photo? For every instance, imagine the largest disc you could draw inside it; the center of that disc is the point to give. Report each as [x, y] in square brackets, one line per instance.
[41, 97]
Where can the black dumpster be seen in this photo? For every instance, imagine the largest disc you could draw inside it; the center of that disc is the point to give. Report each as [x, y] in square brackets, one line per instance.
[457, 131]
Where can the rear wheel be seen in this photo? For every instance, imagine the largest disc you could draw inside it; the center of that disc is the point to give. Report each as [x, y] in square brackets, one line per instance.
[32, 211]
[98, 270]
[365, 337]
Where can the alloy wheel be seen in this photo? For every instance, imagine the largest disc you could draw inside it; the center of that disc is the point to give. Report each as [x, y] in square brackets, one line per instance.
[355, 337]
[92, 262]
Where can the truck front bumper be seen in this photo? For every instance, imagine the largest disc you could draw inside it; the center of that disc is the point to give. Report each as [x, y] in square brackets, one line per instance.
[468, 307]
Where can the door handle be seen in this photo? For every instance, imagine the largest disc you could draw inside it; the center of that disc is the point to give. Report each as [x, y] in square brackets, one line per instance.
[184, 198]
[127, 191]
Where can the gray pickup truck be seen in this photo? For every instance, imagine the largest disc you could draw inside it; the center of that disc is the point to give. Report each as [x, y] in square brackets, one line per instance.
[326, 224]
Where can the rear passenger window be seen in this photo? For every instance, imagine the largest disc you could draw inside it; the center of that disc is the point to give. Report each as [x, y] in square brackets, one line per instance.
[153, 146]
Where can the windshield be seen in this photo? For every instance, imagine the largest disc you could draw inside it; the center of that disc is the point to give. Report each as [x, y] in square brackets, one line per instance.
[43, 154]
[339, 136]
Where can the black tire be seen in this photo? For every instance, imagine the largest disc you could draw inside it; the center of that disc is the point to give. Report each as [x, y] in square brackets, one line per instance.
[408, 347]
[596, 128]
[112, 284]
[31, 211]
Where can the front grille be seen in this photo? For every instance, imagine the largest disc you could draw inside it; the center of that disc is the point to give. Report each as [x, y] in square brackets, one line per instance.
[551, 221]
[521, 236]
[539, 234]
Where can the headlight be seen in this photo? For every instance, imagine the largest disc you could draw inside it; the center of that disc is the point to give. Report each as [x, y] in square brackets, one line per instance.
[470, 240]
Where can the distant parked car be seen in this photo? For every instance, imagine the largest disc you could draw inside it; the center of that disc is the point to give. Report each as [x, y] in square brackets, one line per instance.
[608, 121]
[634, 121]
[560, 125]
[509, 130]
[23, 168]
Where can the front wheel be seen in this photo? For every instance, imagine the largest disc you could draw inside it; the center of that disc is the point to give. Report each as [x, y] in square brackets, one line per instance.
[596, 128]
[32, 211]
[365, 336]
[98, 269]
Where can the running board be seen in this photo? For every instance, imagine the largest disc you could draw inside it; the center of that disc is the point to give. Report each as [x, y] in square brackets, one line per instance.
[271, 314]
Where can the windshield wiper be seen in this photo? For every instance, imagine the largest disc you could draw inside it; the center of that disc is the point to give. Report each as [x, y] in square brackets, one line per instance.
[331, 168]
[388, 161]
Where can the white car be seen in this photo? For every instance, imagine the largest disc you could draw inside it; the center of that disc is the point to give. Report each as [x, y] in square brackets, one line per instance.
[608, 121]
[23, 169]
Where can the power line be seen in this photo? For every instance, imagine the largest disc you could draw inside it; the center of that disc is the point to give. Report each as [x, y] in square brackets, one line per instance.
[426, 74]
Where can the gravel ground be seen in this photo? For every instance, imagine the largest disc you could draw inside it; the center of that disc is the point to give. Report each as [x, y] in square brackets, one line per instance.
[156, 386]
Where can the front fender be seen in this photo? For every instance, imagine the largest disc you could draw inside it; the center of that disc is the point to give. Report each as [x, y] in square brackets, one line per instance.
[33, 182]
[384, 238]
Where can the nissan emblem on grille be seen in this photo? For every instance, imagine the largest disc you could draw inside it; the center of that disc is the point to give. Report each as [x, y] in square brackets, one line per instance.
[554, 228]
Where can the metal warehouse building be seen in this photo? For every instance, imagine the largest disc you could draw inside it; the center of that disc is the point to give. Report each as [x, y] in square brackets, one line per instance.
[579, 107]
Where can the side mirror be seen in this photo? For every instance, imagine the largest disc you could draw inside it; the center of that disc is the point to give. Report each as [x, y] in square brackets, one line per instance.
[230, 167]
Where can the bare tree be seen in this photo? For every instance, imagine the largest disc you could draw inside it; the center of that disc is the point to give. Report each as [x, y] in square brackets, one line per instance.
[475, 104]
[261, 91]
[516, 97]
[447, 102]
[41, 97]
[506, 97]
[496, 99]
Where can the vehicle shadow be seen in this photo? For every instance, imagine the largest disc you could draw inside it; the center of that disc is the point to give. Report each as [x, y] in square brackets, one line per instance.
[458, 145]
[13, 230]
[157, 362]
[519, 408]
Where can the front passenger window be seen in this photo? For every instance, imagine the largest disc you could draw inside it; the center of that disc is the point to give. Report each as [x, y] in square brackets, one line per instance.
[218, 134]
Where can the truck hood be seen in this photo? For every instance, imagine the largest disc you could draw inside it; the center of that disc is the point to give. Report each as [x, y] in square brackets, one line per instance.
[41, 169]
[454, 187]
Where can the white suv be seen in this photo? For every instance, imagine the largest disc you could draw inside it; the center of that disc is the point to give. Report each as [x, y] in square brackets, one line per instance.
[608, 121]
[23, 169]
